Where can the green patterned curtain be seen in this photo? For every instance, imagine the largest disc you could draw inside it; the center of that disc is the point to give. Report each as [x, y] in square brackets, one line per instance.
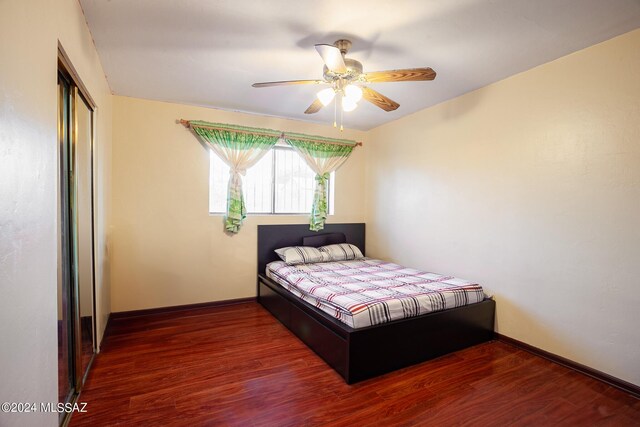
[323, 155]
[240, 148]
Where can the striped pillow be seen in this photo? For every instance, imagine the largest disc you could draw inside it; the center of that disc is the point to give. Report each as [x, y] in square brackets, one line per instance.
[342, 252]
[293, 255]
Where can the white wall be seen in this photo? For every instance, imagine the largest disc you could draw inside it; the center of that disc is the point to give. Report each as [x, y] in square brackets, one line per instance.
[30, 31]
[167, 249]
[530, 186]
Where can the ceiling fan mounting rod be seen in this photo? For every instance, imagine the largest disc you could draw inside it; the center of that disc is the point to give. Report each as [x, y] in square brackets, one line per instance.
[344, 45]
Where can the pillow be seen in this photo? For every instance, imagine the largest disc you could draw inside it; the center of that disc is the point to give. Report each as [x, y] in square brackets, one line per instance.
[342, 252]
[293, 255]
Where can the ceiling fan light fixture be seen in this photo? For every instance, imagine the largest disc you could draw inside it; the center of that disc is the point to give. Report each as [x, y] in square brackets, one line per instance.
[353, 93]
[326, 96]
[348, 104]
[350, 83]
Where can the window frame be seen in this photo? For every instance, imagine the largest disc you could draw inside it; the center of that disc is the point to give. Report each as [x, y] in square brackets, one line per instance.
[278, 146]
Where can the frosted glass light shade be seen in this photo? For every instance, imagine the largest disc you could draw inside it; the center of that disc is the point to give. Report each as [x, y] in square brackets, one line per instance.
[353, 92]
[326, 96]
[348, 104]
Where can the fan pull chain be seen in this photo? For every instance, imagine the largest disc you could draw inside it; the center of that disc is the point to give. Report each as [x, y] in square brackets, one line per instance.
[335, 112]
[341, 117]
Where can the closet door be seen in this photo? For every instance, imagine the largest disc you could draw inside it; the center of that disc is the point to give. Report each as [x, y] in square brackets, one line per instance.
[66, 352]
[76, 325]
[83, 233]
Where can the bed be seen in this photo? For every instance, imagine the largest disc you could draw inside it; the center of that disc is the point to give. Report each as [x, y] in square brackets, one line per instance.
[370, 349]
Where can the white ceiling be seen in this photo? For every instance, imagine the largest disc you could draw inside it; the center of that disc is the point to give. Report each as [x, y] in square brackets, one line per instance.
[209, 52]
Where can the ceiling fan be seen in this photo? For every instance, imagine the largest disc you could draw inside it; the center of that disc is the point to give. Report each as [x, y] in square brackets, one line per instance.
[347, 80]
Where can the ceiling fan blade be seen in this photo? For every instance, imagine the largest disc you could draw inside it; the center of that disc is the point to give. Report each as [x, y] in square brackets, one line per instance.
[379, 100]
[332, 58]
[314, 107]
[288, 82]
[407, 75]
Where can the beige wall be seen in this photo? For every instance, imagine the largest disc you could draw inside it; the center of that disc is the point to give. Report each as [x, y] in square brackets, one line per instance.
[30, 31]
[531, 186]
[167, 250]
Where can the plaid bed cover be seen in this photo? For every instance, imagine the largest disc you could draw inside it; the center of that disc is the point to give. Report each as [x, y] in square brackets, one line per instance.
[368, 291]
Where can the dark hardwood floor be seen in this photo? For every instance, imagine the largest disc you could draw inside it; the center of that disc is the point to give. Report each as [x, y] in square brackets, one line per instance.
[237, 365]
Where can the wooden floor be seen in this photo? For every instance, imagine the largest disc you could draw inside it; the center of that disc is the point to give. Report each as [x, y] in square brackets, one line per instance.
[237, 365]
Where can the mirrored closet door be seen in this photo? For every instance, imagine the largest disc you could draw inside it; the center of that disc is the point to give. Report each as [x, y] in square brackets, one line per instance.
[83, 216]
[76, 325]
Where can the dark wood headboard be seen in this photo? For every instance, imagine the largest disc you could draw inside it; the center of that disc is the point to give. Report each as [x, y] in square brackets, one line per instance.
[271, 237]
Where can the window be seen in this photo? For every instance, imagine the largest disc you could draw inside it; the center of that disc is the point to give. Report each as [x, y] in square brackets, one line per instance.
[280, 183]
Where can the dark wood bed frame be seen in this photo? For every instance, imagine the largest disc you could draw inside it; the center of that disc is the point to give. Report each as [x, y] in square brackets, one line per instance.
[359, 354]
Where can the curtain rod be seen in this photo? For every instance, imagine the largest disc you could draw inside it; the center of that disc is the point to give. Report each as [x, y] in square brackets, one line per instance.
[187, 124]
